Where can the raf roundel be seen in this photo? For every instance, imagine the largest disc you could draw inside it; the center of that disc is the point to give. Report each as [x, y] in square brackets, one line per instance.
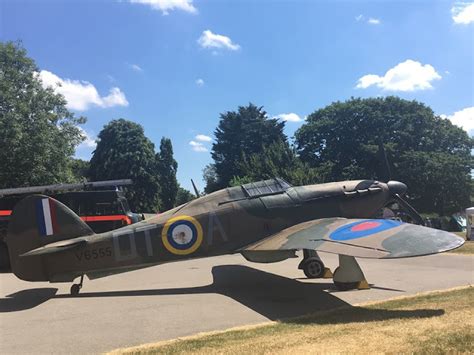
[363, 229]
[182, 235]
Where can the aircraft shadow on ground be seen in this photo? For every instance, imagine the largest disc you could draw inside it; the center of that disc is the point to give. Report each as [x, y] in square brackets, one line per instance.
[26, 299]
[270, 295]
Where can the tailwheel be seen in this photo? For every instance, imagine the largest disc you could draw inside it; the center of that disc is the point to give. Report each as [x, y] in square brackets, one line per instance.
[313, 268]
[75, 288]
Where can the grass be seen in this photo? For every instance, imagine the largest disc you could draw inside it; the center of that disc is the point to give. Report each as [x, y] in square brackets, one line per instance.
[437, 322]
[467, 248]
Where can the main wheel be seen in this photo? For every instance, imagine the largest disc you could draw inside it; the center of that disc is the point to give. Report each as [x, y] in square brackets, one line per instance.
[313, 268]
[75, 288]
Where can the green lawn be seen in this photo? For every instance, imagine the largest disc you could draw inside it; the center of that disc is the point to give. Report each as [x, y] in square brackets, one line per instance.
[467, 248]
[438, 322]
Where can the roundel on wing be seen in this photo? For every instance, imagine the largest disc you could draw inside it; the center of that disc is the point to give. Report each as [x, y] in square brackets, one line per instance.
[361, 229]
[182, 235]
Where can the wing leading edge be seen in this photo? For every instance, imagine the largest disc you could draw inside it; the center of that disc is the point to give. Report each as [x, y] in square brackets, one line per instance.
[363, 238]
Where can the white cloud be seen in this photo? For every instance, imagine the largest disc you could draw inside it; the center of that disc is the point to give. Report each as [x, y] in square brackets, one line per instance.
[463, 13]
[463, 119]
[197, 147]
[373, 21]
[370, 20]
[212, 40]
[89, 139]
[85, 149]
[289, 117]
[407, 76]
[203, 138]
[81, 95]
[199, 82]
[168, 5]
[111, 78]
[115, 98]
[136, 67]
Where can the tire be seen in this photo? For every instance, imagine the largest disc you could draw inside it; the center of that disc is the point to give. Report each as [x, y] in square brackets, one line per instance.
[313, 268]
[75, 288]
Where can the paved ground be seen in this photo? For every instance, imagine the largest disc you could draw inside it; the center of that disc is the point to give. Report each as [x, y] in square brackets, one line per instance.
[185, 298]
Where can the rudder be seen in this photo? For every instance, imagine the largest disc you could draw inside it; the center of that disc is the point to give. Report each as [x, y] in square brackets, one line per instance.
[36, 221]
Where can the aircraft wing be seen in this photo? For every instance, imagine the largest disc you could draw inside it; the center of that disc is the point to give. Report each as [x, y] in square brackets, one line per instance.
[364, 238]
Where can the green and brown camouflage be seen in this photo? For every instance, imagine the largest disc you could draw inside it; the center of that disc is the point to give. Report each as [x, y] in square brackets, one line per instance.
[266, 221]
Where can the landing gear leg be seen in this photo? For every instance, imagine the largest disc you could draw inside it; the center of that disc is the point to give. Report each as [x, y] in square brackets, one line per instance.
[75, 288]
[349, 275]
[312, 265]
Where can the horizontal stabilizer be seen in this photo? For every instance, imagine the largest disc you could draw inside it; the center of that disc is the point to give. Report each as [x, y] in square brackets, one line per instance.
[364, 238]
[56, 247]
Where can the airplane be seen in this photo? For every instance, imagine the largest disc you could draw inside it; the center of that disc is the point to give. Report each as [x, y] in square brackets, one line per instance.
[266, 221]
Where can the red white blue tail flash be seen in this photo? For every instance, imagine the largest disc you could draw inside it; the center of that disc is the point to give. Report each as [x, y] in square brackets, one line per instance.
[46, 217]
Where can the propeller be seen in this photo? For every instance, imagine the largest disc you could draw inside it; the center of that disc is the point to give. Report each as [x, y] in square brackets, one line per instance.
[196, 191]
[409, 209]
[386, 175]
[396, 188]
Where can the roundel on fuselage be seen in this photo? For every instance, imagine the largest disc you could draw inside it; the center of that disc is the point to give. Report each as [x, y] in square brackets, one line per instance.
[182, 235]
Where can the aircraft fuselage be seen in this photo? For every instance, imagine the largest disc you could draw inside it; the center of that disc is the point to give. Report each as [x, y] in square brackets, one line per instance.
[219, 223]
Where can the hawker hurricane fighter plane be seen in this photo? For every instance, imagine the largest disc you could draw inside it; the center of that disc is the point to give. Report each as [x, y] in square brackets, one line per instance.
[266, 221]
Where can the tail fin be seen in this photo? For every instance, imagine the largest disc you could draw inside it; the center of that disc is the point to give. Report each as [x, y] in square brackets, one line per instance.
[36, 221]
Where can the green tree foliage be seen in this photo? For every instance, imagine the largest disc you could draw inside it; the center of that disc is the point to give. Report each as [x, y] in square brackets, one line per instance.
[277, 160]
[167, 168]
[210, 177]
[240, 133]
[79, 169]
[183, 196]
[124, 152]
[345, 136]
[38, 135]
[442, 180]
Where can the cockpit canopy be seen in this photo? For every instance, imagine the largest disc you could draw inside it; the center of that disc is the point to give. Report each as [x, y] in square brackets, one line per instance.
[265, 187]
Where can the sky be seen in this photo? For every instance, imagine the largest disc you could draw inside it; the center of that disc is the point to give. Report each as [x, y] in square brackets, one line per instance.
[174, 65]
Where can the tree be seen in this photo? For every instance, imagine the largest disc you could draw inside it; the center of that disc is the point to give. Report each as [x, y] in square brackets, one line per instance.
[38, 135]
[167, 168]
[240, 133]
[79, 169]
[345, 136]
[183, 196]
[277, 160]
[442, 181]
[124, 152]
[210, 177]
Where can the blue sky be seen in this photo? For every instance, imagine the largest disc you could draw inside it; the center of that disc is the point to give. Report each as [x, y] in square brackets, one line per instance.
[174, 65]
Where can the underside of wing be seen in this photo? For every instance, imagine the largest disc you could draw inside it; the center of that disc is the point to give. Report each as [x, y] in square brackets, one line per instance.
[364, 238]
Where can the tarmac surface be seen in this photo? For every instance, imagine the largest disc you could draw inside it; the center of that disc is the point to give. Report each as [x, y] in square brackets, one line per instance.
[184, 298]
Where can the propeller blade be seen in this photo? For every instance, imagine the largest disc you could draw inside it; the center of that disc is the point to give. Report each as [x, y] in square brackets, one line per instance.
[387, 174]
[196, 191]
[409, 208]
